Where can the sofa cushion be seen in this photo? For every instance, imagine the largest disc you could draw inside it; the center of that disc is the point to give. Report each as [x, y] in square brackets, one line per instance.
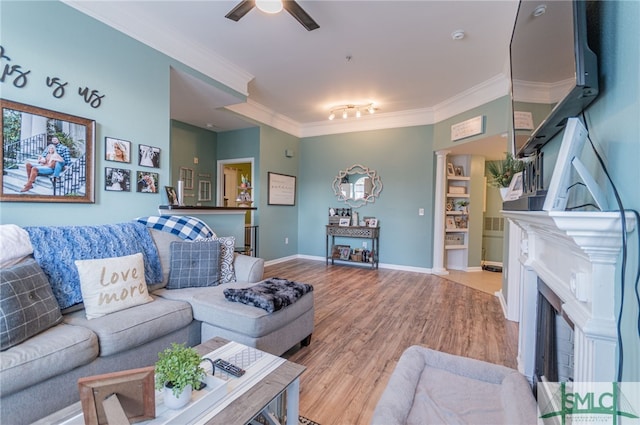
[27, 304]
[132, 327]
[55, 351]
[15, 244]
[112, 284]
[227, 253]
[162, 241]
[194, 264]
[209, 305]
[56, 248]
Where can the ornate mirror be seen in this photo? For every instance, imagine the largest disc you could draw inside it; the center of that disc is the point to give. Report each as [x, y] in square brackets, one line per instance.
[357, 186]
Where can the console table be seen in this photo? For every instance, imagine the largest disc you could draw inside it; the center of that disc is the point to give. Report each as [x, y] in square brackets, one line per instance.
[361, 232]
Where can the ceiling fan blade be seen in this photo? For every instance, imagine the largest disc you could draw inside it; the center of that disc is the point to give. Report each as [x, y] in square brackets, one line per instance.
[301, 16]
[240, 10]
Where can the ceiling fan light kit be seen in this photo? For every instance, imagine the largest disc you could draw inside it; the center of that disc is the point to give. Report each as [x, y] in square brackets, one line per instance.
[269, 6]
[273, 6]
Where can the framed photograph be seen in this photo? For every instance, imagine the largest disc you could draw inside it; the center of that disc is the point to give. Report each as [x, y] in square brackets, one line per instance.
[117, 150]
[281, 189]
[450, 169]
[373, 222]
[147, 182]
[134, 388]
[148, 156]
[337, 250]
[450, 222]
[172, 195]
[344, 222]
[459, 170]
[47, 156]
[461, 222]
[117, 179]
[345, 252]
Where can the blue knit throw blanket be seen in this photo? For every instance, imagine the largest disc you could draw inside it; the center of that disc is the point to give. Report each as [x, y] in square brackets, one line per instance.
[56, 248]
[271, 295]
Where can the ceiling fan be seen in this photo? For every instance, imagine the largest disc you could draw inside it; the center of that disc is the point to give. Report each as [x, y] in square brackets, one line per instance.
[290, 5]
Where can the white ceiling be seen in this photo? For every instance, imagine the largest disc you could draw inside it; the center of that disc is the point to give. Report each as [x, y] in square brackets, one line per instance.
[402, 57]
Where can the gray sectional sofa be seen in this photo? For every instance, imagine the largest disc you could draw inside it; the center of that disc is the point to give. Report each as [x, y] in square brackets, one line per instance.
[39, 375]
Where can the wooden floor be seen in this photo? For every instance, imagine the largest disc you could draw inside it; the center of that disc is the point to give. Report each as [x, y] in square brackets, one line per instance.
[365, 319]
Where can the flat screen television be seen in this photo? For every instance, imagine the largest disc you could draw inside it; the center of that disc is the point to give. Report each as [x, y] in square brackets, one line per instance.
[554, 74]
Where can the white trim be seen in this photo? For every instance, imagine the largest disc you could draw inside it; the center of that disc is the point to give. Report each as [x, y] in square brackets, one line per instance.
[380, 265]
[503, 302]
[170, 43]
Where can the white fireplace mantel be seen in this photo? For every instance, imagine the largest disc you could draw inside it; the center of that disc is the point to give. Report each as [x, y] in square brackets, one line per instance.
[575, 254]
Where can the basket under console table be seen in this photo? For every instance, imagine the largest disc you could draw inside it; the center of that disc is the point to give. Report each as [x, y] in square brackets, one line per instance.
[361, 232]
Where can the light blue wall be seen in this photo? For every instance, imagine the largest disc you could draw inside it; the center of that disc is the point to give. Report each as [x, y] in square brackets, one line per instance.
[278, 222]
[404, 160]
[614, 126]
[188, 142]
[496, 121]
[51, 39]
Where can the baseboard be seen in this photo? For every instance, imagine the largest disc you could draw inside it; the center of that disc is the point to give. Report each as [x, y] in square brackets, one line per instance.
[503, 303]
[380, 265]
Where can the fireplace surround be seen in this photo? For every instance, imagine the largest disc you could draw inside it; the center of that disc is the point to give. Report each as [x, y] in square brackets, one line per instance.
[575, 255]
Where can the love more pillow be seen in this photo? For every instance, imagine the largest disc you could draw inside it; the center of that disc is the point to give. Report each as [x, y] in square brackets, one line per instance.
[112, 284]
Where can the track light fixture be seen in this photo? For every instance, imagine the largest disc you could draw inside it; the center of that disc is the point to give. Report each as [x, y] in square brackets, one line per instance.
[357, 109]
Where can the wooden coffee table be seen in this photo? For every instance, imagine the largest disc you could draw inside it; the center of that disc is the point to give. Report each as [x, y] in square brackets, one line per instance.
[279, 386]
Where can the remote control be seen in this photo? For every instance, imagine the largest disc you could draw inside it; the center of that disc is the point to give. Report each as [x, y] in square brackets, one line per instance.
[228, 367]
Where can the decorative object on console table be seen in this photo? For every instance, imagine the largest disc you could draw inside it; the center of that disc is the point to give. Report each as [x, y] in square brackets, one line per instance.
[362, 232]
[135, 386]
[180, 193]
[172, 196]
[178, 371]
[344, 222]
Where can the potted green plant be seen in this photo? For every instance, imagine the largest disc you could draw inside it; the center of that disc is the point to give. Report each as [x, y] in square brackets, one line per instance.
[178, 371]
[501, 172]
[462, 205]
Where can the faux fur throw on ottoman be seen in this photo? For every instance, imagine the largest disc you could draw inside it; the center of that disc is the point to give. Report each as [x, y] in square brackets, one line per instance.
[271, 295]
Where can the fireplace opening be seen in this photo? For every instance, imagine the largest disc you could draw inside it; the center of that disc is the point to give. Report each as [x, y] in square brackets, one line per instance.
[554, 339]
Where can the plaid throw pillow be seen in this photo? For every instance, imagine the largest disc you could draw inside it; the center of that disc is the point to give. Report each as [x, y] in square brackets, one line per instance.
[187, 228]
[27, 304]
[194, 264]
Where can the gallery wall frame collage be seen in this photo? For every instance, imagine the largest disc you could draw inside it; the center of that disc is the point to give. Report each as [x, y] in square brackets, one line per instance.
[118, 179]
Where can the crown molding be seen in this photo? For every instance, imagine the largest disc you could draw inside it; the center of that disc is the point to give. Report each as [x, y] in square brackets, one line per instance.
[476, 96]
[260, 113]
[171, 44]
[485, 92]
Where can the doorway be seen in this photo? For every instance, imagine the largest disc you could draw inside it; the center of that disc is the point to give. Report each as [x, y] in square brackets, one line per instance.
[230, 192]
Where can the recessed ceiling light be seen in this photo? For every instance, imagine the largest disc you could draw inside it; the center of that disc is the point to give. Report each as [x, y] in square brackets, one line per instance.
[457, 35]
